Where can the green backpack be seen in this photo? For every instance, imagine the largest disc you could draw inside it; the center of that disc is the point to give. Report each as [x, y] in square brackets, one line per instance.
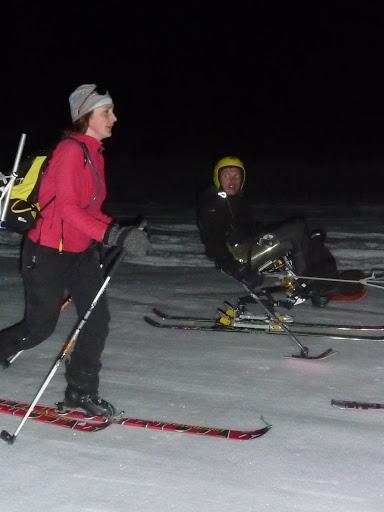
[24, 210]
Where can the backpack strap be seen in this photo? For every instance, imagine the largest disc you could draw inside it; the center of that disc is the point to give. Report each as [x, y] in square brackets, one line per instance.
[49, 202]
[87, 158]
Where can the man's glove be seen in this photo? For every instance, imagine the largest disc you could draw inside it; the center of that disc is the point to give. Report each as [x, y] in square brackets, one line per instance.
[251, 278]
[132, 239]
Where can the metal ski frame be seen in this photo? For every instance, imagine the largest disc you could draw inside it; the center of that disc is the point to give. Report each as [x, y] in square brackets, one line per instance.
[249, 317]
[69, 344]
[258, 328]
[245, 321]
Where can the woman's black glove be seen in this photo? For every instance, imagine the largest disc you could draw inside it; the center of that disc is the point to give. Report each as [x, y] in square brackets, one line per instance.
[134, 240]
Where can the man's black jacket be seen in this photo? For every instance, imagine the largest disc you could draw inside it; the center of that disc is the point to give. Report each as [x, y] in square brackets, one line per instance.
[225, 219]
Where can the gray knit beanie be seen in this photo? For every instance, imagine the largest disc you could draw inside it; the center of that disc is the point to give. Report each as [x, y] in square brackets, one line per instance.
[85, 98]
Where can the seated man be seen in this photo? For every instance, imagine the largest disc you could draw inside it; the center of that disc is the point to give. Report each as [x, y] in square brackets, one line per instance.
[243, 248]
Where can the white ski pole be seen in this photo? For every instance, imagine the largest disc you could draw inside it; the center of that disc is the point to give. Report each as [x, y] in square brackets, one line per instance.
[12, 180]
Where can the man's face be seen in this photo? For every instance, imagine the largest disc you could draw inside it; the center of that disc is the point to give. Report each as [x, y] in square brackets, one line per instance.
[230, 180]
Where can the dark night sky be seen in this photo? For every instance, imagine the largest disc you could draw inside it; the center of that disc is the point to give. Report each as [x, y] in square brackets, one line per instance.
[285, 82]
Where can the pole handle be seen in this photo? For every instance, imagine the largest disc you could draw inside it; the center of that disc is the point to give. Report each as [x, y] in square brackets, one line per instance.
[13, 177]
[18, 154]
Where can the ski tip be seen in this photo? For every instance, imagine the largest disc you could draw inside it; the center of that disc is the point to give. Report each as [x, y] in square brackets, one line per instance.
[159, 313]
[327, 354]
[151, 321]
[266, 423]
[338, 403]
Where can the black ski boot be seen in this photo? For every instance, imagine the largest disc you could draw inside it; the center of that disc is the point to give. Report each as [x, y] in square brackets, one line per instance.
[321, 293]
[91, 403]
[320, 301]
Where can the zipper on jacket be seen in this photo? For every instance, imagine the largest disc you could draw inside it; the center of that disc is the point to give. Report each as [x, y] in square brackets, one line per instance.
[87, 158]
[62, 237]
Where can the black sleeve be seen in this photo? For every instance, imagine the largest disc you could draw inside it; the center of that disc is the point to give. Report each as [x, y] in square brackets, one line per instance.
[214, 230]
[252, 226]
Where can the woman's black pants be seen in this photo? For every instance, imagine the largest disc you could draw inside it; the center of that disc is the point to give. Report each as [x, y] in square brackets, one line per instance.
[48, 276]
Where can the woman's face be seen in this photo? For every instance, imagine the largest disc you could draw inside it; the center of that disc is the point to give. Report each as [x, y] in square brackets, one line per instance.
[101, 122]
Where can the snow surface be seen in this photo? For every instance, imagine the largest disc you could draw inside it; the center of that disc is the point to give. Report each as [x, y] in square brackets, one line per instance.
[314, 459]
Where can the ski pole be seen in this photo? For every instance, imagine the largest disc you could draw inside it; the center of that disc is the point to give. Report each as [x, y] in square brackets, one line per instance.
[303, 350]
[6, 436]
[13, 178]
[271, 315]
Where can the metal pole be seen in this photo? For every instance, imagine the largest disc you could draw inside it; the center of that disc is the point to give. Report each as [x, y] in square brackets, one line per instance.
[13, 177]
[272, 316]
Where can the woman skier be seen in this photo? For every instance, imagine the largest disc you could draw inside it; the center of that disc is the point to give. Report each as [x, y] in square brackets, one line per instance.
[61, 253]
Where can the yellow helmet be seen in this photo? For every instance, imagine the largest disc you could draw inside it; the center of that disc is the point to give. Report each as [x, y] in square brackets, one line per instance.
[227, 161]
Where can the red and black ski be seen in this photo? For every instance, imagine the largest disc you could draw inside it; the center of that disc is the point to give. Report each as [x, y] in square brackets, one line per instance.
[351, 404]
[50, 415]
[77, 420]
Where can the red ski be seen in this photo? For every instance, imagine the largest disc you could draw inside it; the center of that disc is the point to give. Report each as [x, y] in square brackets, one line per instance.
[49, 415]
[77, 420]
